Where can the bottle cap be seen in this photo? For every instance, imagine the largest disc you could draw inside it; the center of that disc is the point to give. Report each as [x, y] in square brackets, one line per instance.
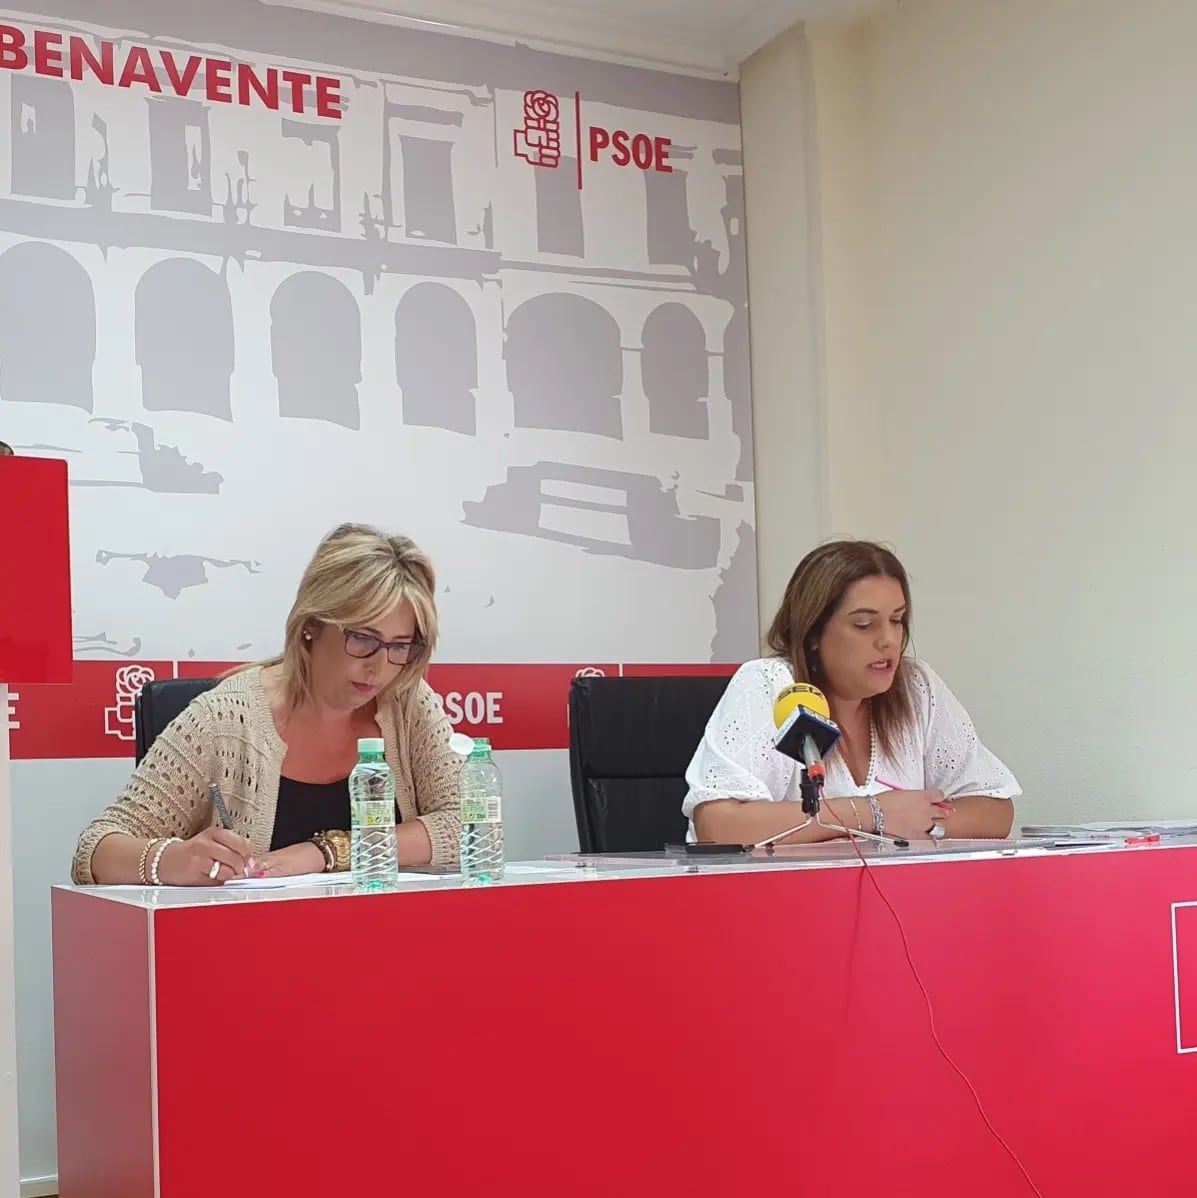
[371, 745]
[460, 744]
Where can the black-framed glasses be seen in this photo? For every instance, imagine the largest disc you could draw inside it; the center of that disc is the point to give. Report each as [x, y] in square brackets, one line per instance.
[366, 644]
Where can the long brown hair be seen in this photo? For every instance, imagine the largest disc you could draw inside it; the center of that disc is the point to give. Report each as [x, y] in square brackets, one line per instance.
[357, 576]
[816, 589]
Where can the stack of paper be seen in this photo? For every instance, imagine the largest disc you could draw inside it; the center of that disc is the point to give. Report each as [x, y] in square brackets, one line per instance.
[1170, 829]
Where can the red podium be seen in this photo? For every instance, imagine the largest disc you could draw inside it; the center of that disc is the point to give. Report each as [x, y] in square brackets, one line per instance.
[35, 647]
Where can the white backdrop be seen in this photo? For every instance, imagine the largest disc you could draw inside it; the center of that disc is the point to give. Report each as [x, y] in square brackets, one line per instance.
[241, 325]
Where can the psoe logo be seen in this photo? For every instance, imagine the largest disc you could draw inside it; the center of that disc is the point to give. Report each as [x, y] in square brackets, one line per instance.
[538, 140]
[118, 719]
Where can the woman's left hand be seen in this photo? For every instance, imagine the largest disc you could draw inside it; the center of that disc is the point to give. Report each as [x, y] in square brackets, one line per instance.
[291, 862]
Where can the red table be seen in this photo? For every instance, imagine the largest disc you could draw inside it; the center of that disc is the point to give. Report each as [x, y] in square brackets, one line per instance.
[727, 1033]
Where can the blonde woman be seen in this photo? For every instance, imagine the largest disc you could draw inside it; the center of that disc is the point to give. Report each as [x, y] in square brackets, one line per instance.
[280, 738]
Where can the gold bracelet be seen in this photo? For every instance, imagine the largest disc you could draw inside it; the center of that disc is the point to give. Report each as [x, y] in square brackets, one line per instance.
[325, 852]
[856, 814]
[338, 841]
[335, 847]
[142, 877]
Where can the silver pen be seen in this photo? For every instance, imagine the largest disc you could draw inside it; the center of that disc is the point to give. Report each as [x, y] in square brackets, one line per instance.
[226, 820]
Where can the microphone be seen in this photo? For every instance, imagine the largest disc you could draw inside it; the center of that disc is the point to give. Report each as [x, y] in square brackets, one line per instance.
[805, 729]
[805, 733]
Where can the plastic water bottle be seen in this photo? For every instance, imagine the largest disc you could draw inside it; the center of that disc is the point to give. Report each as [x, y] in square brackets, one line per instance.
[373, 854]
[481, 791]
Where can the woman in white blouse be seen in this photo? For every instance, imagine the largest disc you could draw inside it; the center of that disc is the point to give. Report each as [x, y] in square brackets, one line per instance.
[909, 762]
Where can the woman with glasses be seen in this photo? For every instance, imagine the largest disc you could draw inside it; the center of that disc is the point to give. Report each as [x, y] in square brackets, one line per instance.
[279, 739]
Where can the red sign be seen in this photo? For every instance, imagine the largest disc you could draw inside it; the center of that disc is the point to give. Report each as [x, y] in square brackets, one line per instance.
[35, 572]
[538, 139]
[93, 717]
[515, 706]
[163, 72]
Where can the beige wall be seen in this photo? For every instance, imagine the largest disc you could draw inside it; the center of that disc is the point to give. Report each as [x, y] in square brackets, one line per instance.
[789, 427]
[1008, 297]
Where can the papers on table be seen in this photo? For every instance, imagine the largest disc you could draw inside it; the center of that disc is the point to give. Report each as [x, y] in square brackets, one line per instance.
[298, 880]
[1165, 829]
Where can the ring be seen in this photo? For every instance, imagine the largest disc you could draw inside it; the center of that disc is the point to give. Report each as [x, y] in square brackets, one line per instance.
[214, 870]
[936, 832]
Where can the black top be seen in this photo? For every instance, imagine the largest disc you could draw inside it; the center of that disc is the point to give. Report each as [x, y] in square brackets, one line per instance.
[305, 808]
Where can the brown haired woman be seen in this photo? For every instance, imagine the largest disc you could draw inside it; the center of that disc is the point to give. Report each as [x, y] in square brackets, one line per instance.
[909, 762]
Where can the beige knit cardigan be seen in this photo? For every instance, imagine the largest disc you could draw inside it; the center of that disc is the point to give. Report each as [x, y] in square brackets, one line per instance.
[227, 735]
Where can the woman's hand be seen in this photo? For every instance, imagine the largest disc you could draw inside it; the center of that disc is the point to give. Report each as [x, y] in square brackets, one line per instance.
[190, 862]
[290, 862]
[911, 814]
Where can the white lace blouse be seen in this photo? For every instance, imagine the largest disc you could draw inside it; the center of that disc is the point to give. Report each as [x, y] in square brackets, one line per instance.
[737, 760]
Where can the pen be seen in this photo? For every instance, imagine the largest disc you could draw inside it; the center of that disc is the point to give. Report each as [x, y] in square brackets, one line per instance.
[226, 820]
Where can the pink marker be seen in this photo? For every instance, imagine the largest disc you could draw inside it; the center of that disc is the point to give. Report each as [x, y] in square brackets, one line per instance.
[944, 806]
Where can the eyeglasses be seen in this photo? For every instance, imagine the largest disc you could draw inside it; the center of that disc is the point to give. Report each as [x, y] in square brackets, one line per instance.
[366, 644]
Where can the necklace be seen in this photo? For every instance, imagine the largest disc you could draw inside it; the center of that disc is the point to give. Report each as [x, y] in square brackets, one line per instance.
[869, 776]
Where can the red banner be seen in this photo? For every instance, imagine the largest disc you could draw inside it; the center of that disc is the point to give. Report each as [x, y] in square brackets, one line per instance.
[93, 717]
[516, 706]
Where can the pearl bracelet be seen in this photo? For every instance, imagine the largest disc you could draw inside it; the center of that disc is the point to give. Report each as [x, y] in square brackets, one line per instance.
[163, 845]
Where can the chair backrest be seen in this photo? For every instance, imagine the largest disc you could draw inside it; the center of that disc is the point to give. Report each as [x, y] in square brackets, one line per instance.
[630, 741]
[159, 703]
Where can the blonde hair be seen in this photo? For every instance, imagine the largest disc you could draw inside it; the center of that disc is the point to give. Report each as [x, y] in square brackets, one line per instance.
[356, 577]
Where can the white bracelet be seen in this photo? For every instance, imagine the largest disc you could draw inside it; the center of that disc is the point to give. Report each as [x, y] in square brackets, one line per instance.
[155, 880]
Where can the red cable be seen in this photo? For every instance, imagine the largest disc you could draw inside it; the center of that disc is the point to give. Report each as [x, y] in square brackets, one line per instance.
[943, 1052]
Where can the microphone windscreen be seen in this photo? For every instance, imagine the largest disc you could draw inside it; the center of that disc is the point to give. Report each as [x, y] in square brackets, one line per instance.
[801, 694]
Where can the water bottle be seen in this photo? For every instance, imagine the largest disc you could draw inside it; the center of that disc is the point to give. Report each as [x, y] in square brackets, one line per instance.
[373, 855]
[481, 792]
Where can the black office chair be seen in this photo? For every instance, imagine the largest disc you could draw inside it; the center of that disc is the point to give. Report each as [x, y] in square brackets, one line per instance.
[160, 702]
[630, 741]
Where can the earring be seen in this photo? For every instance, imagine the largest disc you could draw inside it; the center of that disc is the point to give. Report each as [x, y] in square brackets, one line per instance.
[307, 636]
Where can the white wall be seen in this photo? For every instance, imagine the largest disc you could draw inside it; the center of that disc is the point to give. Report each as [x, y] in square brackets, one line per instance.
[781, 210]
[1009, 299]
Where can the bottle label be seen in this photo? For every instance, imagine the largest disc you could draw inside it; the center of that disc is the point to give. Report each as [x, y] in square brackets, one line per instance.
[373, 815]
[482, 810]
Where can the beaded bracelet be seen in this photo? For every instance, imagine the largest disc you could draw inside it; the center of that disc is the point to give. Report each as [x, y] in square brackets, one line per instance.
[142, 877]
[163, 845]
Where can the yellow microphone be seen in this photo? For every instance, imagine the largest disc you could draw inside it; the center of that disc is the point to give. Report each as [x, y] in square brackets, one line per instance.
[801, 694]
[805, 729]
